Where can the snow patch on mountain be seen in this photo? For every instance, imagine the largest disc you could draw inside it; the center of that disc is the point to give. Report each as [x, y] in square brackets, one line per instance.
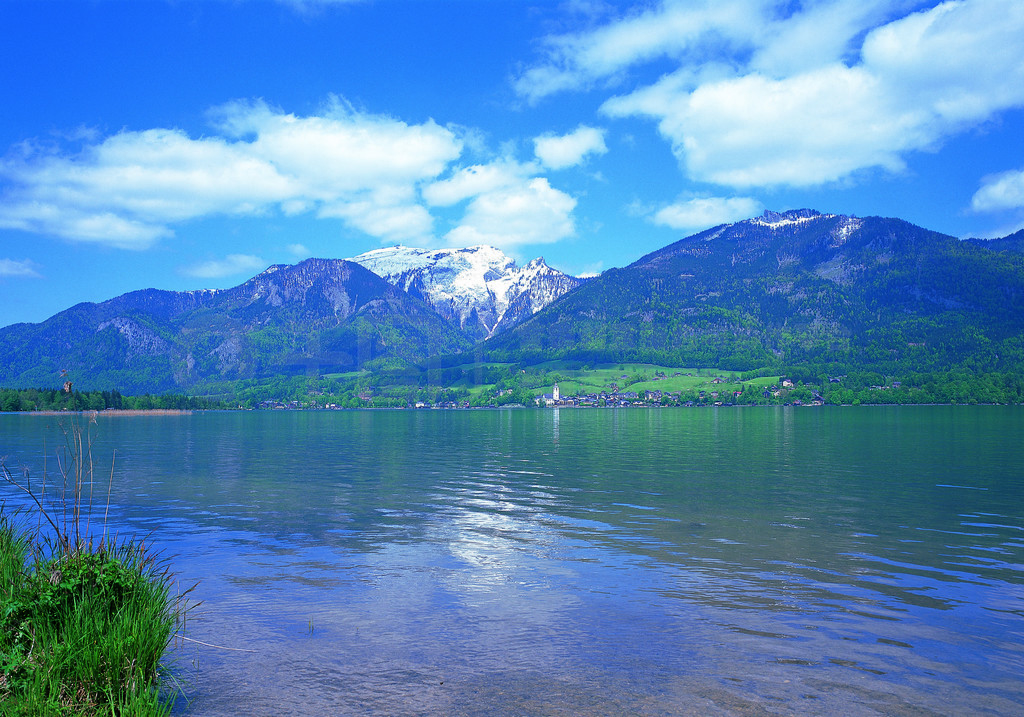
[777, 220]
[478, 288]
[844, 230]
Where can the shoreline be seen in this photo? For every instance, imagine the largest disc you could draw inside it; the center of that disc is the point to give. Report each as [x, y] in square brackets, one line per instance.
[118, 412]
[112, 412]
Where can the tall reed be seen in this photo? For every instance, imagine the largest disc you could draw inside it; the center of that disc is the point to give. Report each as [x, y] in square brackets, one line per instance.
[85, 619]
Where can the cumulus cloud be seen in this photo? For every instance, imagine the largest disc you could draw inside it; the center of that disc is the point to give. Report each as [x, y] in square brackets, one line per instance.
[579, 61]
[1000, 191]
[102, 227]
[130, 189]
[754, 131]
[342, 150]
[478, 179]
[761, 95]
[377, 175]
[819, 34]
[559, 152]
[529, 213]
[507, 205]
[24, 269]
[703, 212]
[722, 35]
[300, 251]
[231, 265]
[389, 222]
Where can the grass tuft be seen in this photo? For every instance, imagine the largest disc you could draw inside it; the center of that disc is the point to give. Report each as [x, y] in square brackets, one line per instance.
[84, 620]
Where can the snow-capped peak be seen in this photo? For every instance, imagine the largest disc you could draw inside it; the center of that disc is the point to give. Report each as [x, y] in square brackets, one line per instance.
[474, 287]
[397, 259]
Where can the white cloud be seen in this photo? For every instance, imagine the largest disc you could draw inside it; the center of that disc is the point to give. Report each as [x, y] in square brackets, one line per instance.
[960, 61]
[299, 251]
[532, 213]
[130, 189]
[476, 180]
[766, 94]
[388, 222]
[805, 130]
[101, 227]
[819, 34]
[589, 271]
[376, 174]
[559, 152]
[704, 212]
[341, 150]
[1000, 191]
[126, 190]
[772, 37]
[578, 61]
[231, 265]
[509, 205]
[25, 269]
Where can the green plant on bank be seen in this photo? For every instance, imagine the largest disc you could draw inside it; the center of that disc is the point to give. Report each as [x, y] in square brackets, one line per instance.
[84, 619]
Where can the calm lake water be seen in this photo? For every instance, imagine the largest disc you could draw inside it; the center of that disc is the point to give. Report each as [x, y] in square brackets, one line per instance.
[758, 561]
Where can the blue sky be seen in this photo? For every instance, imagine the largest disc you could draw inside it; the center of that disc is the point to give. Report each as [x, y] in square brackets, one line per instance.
[186, 145]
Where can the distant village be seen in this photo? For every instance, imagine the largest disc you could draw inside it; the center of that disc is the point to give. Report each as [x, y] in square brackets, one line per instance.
[611, 398]
[653, 398]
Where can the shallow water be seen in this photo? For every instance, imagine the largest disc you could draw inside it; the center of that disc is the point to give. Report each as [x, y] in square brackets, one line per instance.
[650, 562]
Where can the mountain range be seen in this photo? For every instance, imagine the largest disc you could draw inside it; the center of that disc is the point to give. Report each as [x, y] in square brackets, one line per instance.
[790, 288]
[320, 315]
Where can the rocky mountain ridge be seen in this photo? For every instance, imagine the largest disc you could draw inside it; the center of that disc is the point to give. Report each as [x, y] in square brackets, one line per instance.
[479, 288]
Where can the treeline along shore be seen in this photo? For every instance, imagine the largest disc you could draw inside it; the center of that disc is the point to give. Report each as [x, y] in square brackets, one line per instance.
[497, 385]
[121, 412]
[59, 400]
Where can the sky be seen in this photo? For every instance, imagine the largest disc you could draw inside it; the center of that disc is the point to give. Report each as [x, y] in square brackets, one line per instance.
[189, 145]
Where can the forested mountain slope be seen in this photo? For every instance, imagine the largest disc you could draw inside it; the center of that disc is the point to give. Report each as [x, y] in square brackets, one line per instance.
[794, 288]
[318, 315]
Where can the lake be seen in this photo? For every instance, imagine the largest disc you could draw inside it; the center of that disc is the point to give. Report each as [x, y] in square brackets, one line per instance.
[733, 561]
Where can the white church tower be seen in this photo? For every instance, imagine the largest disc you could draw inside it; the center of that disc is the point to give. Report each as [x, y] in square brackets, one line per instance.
[555, 394]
